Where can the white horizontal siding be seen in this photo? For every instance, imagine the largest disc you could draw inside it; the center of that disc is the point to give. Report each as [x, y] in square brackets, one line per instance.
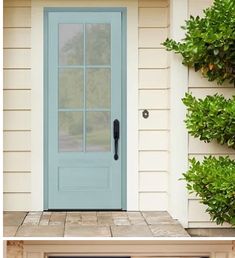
[16, 58]
[153, 201]
[197, 211]
[17, 201]
[153, 140]
[16, 99]
[17, 17]
[16, 161]
[17, 37]
[16, 120]
[153, 161]
[153, 99]
[199, 147]
[17, 104]
[153, 3]
[17, 3]
[16, 141]
[16, 79]
[153, 181]
[196, 7]
[16, 182]
[153, 58]
[152, 37]
[198, 216]
[196, 80]
[157, 120]
[153, 78]
[153, 96]
[153, 17]
[202, 93]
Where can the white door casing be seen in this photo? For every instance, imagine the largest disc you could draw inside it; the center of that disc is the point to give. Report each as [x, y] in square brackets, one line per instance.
[134, 248]
[178, 195]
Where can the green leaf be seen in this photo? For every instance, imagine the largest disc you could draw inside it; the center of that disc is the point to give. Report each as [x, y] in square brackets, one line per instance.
[213, 180]
[216, 52]
[209, 42]
[211, 118]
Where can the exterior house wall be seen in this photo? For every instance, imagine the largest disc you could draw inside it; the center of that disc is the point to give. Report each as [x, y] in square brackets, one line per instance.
[17, 104]
[153, 96]
[154, 91]
[200, 87]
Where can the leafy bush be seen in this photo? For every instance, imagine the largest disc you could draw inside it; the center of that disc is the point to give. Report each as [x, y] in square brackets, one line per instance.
[213, 180]
[209, 45]
[212, 118]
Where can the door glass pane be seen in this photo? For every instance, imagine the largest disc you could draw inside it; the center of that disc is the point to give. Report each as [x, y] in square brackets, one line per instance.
[98, 131]
[98, 88]
[70, 131]
[71, 42]
[98, 44]
[71, 88]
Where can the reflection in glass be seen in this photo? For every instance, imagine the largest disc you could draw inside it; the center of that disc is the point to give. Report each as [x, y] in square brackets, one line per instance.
[98, 131]
[98, 44]
[71, 88]
[71, 44]
[70, 131]
[98, 88]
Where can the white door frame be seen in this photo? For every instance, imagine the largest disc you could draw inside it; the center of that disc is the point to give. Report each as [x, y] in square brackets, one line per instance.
[37, 124]
[133, 249]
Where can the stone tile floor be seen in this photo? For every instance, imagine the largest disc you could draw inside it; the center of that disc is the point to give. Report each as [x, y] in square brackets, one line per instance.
[91, 224]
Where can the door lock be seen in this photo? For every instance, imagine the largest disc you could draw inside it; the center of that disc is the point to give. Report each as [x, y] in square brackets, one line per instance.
[116, 134]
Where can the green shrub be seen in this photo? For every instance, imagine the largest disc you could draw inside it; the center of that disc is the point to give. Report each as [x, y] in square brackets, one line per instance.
[213, 180]
[212, 118]
[209, 43]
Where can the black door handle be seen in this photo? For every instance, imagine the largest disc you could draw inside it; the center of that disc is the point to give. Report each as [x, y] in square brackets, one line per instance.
[116, 133]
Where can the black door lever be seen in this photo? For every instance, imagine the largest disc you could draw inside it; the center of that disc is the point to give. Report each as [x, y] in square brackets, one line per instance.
[116, 137]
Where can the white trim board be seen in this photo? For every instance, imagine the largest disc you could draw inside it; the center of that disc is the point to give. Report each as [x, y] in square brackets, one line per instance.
[139, 248]
[178, 195]
[37, 95]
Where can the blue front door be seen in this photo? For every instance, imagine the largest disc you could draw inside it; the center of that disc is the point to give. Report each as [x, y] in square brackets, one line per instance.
[84, 127]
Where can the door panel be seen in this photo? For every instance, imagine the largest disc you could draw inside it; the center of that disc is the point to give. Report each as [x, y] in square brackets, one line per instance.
[84, 98]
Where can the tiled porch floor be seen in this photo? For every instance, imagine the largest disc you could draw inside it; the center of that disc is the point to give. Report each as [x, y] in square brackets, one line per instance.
[91, 224]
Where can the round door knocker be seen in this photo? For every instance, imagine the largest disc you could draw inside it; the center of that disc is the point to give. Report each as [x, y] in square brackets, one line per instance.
[145, 113]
